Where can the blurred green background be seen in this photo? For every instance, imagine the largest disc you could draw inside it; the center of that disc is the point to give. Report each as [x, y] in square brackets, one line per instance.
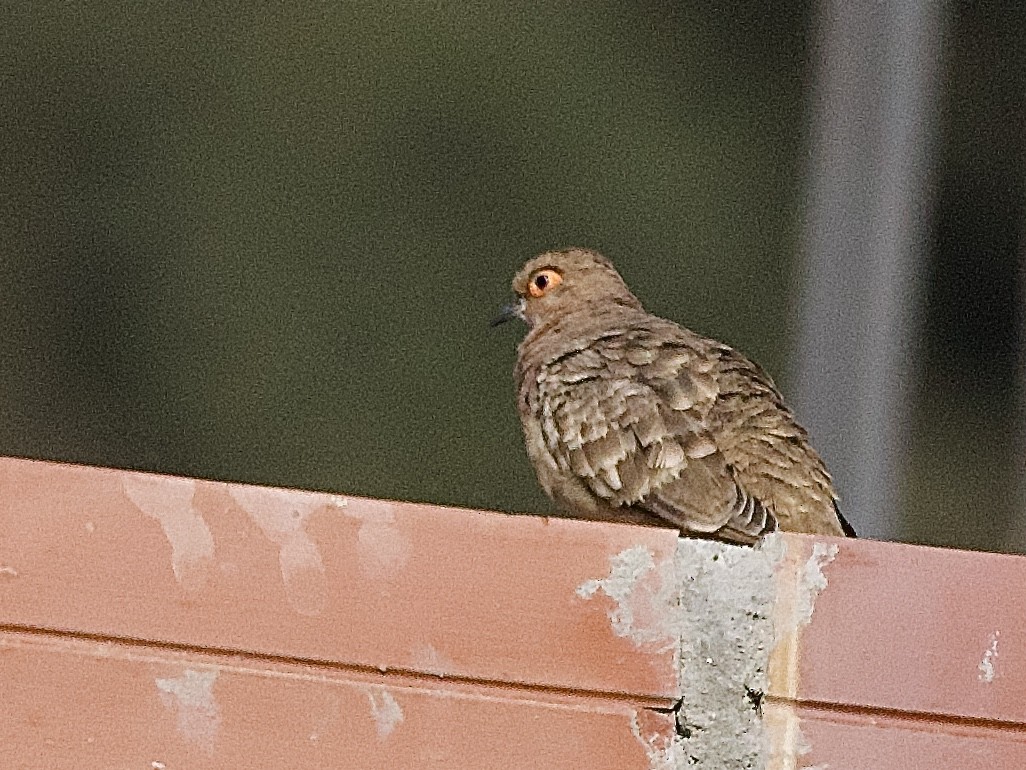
[263, 243]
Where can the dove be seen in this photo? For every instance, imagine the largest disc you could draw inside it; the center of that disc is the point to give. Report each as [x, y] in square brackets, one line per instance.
[633, 418]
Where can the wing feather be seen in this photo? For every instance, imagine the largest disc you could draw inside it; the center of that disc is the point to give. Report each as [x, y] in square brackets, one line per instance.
[638, 436]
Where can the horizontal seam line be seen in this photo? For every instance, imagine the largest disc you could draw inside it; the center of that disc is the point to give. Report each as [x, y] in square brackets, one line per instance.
[904, 715]
[412, 676]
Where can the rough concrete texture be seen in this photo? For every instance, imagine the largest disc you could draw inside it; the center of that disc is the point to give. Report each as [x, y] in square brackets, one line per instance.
[726, 633]
[714, 604]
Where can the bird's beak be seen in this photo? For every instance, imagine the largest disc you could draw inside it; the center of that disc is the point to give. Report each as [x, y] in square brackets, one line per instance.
[514, 309]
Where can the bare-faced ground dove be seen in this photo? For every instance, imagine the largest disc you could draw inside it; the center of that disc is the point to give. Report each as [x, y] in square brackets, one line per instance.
[630, 417]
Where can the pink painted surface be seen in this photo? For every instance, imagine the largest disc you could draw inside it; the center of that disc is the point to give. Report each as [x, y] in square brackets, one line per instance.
[297, 575]
[855, 742]
[84, 704]
[159, 622]
[919, 630]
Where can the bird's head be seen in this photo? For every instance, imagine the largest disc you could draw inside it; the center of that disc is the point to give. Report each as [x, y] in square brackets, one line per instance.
[558, 283]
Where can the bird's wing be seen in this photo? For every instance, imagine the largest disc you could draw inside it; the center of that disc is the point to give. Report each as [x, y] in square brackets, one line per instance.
[683, 373]
[637, 435]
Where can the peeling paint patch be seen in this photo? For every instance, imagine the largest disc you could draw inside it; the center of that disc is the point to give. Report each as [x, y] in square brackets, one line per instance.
[429, 660]
[7, 571]
[812, 581]
[282, 515]
[385, 710]
[191, 697]
[663, 749]
[383, 548]
[169, 501]
[987, 667]
[800, 583]
[644, 595]
[786, 745]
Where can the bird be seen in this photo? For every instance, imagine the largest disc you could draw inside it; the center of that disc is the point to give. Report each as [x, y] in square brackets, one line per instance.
[633, 418]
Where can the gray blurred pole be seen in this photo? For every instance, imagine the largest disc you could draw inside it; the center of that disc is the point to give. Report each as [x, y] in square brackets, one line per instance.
[873, 124]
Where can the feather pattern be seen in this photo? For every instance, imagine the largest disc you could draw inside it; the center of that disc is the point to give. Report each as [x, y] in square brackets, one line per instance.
[631, 417]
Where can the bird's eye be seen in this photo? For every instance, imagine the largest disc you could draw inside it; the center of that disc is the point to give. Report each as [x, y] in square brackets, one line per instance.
[543, 281]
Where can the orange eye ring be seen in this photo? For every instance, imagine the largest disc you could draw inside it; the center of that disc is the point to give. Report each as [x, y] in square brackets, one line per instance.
[543, 281]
